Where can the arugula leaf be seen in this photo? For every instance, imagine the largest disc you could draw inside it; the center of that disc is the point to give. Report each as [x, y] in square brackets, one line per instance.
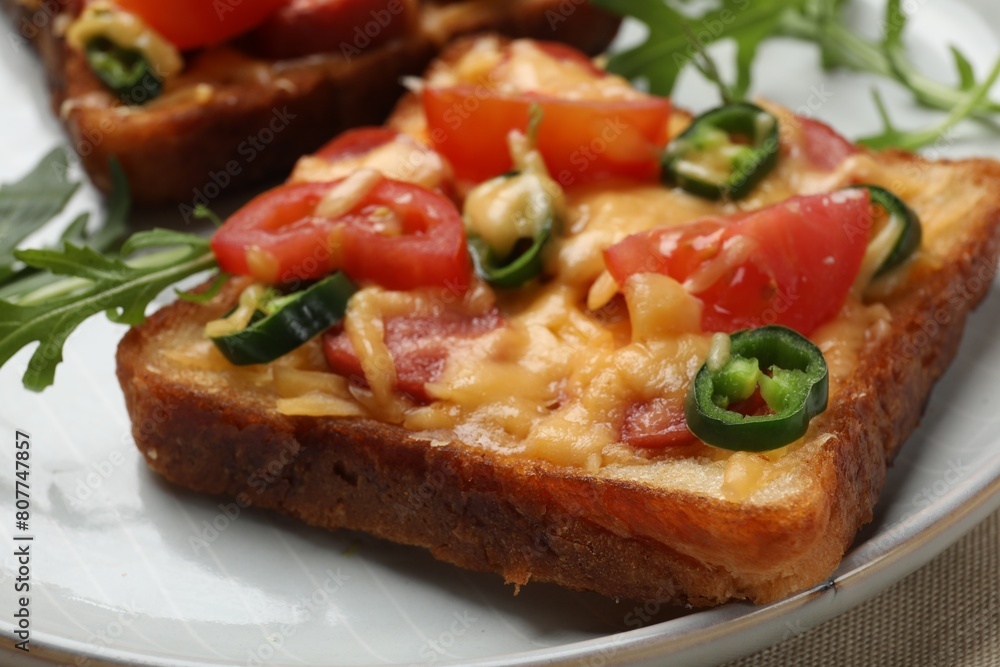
[103, 240]
[966, 78]
[205, 213]
[210, 292]
[93, 283]
[895, 22]
[893, 137]
[885, 58]
[77, 231]
[662, 57]
[119, 204]
[26, 205]
[703, 63]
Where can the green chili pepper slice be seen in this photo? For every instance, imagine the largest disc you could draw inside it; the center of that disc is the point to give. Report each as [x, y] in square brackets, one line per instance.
[125, 71]
[902, 231]
[793, 380]
[524, 261]
[520, 266]
[510, 219]
[288, 322]
[724, 153]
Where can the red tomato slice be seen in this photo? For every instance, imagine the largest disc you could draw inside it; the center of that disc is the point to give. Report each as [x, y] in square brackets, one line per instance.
[349, 27]
[419, 345]
[358, 141]
[190, 24]
[822, 146]
[429, 249]
[582, 140]
[790, 264]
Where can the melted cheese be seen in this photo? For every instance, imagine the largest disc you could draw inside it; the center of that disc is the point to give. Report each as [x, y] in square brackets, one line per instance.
[400, 160]
[346, 195]
[526, 68]
[659, 307]
[314, 394]
[103, 19]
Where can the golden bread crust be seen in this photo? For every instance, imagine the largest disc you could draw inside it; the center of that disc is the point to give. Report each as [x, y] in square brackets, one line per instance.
[187, 146]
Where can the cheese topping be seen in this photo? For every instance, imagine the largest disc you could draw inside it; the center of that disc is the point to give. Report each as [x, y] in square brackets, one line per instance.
[400, 160]
[241, 315]
[346, 195]
[128, 31]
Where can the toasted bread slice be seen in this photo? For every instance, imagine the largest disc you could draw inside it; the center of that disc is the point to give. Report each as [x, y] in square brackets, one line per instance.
[231, 118]
[696, 525]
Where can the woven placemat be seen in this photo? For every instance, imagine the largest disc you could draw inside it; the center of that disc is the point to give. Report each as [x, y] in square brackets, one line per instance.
[945, 614]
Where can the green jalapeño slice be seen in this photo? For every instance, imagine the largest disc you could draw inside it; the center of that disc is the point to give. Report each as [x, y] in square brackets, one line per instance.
[530, 212]
[724, 153]
[510, 219]
[787, 369]
[895, 236]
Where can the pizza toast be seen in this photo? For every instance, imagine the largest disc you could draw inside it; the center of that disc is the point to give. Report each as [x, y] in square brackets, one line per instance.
[691, 524]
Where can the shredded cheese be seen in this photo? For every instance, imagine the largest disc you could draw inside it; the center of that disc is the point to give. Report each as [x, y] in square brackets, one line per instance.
[735, 251]
[602, 291]
[346, 195]
[400, 160]
[104, 19]
[238, 320]
[659, 307]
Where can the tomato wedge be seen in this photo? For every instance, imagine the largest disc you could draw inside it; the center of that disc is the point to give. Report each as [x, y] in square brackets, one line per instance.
[791, 264]
[190, 24]
[348, 27]
[582, 140]
[398, 235]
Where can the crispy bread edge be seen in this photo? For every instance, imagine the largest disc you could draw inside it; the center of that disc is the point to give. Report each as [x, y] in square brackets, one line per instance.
[531, 520]
[184, 152]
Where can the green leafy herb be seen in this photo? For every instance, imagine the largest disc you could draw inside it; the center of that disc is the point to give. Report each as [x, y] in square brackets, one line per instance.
[666, 51]
[210, 292]
[893, 137]
[104, 239]
[704, 64]
[28, 204]
[116, 222]
[92, 283]
[203, 212]
[664, 54]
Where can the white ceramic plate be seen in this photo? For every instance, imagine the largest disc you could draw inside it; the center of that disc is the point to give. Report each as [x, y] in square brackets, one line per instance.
[128, 570]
